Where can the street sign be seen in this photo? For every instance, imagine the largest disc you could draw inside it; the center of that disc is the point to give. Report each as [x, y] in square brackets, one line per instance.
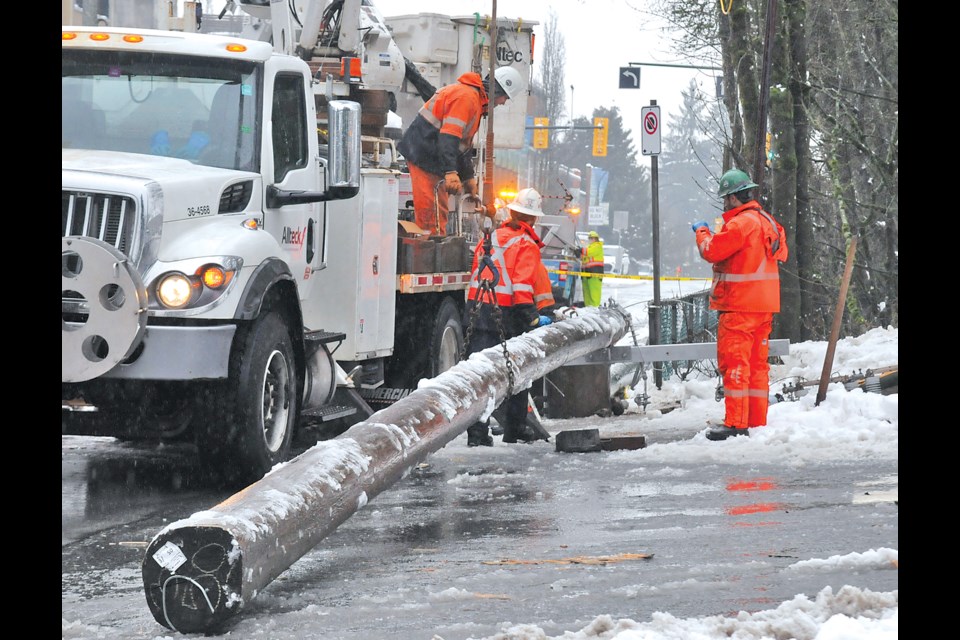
[650, 136]
[600, 136]
[598, 215]
[620, 220]
[629, 77]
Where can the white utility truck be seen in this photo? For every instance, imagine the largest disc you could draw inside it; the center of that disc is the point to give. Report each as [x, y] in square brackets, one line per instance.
[233, 261]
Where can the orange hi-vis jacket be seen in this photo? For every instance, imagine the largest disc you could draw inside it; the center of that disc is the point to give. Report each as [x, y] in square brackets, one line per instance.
[543, 289]
[515, 250]
[745, 254]
[438, 139]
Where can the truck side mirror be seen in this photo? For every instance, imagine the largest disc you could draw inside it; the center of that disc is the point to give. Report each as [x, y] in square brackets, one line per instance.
[343, 168]
[344, 121]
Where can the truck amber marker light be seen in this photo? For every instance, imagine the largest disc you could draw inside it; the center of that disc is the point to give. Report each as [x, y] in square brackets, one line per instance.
[236, 48]
[133, 39]
[100, 37]
[213, 277]
[68, 35]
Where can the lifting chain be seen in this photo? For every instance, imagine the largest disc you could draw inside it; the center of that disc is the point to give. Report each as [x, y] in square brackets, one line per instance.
[486, 294]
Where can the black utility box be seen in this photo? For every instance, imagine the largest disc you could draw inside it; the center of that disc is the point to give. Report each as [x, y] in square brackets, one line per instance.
[453, 254]
[416, 255]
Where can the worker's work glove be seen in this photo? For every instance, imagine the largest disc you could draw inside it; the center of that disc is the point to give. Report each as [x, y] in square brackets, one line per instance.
[527, 314]
[160, 143]
[452, 182]
[198, 142]
[697, 225]
[470, 187]
[489, 210]
[543, 321]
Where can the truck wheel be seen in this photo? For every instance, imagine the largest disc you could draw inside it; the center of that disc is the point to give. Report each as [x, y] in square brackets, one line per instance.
[263, 403]
[446, 342]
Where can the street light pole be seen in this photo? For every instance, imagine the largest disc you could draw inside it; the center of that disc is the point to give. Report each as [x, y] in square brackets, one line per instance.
[571, 106]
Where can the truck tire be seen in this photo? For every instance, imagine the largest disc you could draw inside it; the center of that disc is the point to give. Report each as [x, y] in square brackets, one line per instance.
[446, 340]
[262, 403]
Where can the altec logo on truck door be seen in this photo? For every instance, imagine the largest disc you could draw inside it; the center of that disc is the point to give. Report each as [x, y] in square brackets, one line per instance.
[292, 236]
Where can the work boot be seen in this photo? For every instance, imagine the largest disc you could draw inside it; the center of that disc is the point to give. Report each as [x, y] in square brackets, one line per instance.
[479, 441]
[509, 434]
[524, 434]
[478, 435]
[722, 432]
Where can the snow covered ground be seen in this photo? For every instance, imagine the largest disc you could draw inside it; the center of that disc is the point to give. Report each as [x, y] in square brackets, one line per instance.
[847, 427]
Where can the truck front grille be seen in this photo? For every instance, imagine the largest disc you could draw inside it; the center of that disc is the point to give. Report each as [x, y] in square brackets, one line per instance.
[107, 217]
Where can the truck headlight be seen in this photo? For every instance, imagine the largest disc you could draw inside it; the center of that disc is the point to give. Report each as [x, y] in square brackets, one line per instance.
[174, 291]
[178, 290]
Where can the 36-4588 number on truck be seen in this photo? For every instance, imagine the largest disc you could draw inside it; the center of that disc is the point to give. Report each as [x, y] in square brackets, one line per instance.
[201, 210]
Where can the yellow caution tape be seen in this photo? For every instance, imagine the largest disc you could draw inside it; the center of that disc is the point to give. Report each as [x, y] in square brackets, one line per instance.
[613, 275]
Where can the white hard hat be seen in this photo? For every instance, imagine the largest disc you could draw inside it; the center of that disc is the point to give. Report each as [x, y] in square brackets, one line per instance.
[510, 81]
[528, 201]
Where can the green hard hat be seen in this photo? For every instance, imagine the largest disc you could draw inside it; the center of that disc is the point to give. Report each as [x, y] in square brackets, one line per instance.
[734, 181]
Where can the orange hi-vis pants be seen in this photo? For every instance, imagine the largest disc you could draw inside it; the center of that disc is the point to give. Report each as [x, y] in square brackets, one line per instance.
[429, 212]
[743, 346]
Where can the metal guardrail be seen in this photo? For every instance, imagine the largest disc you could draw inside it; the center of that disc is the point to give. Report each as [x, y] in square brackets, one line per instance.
[665, 353]
[688, 331]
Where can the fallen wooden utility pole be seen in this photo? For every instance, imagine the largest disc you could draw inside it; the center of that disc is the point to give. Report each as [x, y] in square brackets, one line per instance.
[199, 572]
[837, 323]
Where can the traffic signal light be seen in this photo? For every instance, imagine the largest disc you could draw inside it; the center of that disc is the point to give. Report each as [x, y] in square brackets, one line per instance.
[600, 136]
[541, 135]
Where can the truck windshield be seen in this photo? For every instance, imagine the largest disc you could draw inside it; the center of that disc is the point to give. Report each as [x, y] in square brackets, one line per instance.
[200, 109]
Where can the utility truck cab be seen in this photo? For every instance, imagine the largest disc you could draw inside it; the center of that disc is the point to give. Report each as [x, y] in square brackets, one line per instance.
[196, 213]
[232, 267]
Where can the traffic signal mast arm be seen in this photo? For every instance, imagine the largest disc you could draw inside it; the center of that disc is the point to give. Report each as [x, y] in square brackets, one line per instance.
[564, 127]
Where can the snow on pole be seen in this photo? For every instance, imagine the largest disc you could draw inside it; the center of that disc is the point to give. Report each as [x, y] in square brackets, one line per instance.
[200, 571]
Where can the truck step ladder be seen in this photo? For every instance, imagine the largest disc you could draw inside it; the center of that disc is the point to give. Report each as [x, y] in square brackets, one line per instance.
[323, 337]
[330, 412]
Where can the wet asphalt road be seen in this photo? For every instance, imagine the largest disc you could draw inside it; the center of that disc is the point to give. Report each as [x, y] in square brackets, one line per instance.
[477, 539]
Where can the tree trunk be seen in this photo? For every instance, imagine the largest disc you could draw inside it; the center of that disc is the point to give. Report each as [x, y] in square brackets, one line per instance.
[783, 174]
[743, 47]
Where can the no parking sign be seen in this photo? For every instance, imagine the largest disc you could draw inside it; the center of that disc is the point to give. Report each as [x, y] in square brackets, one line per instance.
[650, 138]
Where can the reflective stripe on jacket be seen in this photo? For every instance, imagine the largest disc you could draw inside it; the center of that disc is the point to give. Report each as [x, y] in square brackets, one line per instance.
[745, 255]
[543, 289]
[593, 257]
[440, 137]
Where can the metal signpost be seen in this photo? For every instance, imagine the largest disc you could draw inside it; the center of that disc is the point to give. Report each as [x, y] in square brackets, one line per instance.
[650, 146]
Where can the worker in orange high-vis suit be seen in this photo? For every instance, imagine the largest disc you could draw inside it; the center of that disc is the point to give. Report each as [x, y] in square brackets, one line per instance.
[438, 143]
[745, 254]
[515, 254]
